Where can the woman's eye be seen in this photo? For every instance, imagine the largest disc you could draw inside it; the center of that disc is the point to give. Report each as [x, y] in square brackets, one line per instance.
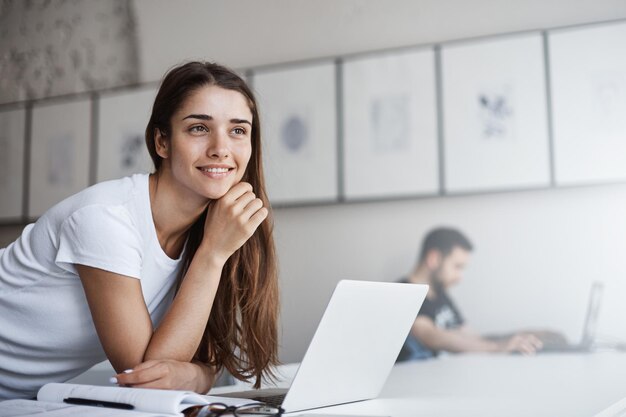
[239, 131]
[198, 129]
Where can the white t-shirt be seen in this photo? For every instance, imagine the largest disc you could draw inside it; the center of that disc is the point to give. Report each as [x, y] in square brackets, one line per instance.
[46, 330]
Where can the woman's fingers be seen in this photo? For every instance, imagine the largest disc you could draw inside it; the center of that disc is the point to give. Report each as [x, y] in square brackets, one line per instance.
[233, 219]
[236, 192]
[257, 218]
[143, 373]
[150, 374]
[252, 208]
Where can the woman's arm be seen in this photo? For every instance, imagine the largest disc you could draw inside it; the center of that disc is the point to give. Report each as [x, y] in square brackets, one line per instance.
[123, 323]
[456, 340]
[118, 309]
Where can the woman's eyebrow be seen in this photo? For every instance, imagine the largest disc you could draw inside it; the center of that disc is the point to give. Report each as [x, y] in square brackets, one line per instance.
[207, 117]
[240, 121]
[199, 116]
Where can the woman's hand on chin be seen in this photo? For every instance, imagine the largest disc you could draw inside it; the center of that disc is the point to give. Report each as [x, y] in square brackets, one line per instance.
[231, 220]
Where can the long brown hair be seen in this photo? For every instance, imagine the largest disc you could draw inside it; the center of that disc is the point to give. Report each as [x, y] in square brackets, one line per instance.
[241, 334]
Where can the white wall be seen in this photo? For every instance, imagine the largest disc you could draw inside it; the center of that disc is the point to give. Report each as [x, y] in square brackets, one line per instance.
[536, 254]
[243, 33]
[536, 251]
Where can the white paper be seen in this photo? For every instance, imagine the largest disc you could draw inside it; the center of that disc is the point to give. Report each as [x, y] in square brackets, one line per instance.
[121, 134]
[390, 125]
[25, 408]
[588, 78]
[59, 154]
[495, 114]
[146, 400]
[298, 113]
[11, 163]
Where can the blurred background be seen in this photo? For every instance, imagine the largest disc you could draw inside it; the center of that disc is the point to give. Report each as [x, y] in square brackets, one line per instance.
[537, 250]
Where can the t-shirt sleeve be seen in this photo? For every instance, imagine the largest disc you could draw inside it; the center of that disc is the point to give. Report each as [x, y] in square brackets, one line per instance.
[428, 309]
[103, 237]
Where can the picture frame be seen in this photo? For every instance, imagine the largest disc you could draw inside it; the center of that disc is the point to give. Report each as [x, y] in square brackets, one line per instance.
[12, 139]
[588, 90]
[390, 134]
[495, 116]
[59, 154]
[298, 109]
[121, 144]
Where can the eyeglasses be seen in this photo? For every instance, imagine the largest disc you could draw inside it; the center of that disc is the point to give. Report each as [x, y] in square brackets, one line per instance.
[245, 410]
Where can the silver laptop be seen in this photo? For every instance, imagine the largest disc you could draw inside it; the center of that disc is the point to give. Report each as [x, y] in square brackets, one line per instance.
[354, 347]
[589, 327]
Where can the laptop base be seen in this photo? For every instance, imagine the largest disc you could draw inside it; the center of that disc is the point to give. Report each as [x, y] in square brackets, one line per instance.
[271, 396]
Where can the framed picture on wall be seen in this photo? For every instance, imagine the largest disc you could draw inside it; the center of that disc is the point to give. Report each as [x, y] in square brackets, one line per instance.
[588, 81]
[298, 115]
[122, 120]
[12, 126]
[495, 120]
[390, 125]
[59, 155]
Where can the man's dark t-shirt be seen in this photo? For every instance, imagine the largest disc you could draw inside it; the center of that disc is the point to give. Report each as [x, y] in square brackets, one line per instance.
[444, 314]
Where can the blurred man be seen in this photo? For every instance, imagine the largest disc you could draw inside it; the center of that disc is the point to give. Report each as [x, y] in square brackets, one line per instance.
[439, 325]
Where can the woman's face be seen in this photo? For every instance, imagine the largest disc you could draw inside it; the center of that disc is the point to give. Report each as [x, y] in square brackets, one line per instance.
[210, 142]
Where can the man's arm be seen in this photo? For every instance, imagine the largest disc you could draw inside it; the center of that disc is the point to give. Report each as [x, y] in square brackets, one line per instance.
[454, 340]
[464, 340]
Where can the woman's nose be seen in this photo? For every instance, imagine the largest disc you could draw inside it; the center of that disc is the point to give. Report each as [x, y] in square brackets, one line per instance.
[218, 146]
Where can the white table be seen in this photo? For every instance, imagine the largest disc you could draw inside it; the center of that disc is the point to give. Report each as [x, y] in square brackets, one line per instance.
[548, 385]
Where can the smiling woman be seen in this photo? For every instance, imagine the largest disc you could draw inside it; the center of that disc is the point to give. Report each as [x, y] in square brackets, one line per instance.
[171, 275]
[209, 139]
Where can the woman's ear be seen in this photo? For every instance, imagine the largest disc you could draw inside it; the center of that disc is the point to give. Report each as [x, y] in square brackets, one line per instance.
[162, 143]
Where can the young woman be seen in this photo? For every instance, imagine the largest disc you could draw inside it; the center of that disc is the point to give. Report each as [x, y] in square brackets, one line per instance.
[171, 276]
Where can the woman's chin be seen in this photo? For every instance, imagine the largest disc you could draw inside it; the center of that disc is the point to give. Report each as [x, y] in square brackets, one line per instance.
[216, 191]
[215, 194]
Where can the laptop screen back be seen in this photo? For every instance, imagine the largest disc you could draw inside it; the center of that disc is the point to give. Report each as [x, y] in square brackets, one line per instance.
[593, 309]
[356, 343]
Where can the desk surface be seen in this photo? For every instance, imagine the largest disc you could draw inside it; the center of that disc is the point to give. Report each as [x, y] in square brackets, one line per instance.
[548, 385]
[566, 385]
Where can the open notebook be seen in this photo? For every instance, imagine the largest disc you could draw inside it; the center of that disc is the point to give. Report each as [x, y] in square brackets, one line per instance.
[135, 402]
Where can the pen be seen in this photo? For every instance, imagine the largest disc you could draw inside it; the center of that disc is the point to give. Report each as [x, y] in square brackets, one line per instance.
[97, 403]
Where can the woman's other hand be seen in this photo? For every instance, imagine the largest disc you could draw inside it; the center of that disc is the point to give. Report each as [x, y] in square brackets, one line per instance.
[168, 374]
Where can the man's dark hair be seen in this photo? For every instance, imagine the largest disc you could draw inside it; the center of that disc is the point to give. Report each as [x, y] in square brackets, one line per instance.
[444, 240]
